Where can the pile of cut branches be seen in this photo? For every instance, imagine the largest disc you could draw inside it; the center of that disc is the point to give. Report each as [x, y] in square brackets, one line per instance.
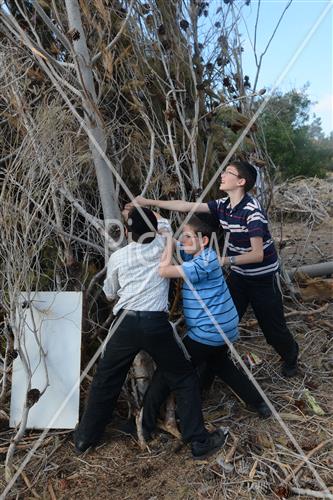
[302, 198]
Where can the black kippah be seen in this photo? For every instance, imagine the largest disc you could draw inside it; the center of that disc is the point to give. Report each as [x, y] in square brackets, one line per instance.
[208, 219]
[138, 225]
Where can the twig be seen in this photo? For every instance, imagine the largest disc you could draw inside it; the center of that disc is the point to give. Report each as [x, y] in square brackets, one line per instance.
[253, 470]
[116, 38]
[306, 458]
[309, 312]
[27, 482]
[51, 491]
[138, 422]
[229, 456]
[24, 446]
[311, 493]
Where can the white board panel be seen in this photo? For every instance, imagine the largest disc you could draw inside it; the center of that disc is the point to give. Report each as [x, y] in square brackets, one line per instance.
[57, 318]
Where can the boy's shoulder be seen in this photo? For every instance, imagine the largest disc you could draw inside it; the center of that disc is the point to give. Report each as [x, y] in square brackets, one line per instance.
[118, 255]
[122, 253]
[134, 250]
[250, 203]
[220, 202]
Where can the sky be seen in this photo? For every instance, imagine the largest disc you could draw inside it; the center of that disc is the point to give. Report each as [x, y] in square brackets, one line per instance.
[303, 22]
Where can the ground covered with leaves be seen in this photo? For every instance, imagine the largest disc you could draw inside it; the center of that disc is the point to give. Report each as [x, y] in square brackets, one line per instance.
[258, 461]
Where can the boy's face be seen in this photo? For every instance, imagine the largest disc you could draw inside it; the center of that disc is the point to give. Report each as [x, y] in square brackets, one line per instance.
[230, 179]
[192, 243]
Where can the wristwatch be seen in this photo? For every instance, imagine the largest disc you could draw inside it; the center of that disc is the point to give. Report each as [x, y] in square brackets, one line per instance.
[232, 260]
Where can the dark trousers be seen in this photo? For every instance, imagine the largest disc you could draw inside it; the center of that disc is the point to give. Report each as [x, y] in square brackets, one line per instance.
[264, 296]
[151, 332]
[219, 363]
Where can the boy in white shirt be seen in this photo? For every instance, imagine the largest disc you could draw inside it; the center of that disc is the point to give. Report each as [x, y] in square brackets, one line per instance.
[142, 324]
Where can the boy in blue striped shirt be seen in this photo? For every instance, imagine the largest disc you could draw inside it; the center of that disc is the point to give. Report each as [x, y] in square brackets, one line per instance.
[208, 310]
[251, 256]
[204, 285]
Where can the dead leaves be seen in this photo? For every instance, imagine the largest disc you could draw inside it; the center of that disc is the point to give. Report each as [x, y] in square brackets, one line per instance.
[35, 74]
[108, 63]
[317, 289]
[73, 34]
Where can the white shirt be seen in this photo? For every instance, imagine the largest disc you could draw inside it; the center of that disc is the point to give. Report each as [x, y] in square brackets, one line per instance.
[132, 274]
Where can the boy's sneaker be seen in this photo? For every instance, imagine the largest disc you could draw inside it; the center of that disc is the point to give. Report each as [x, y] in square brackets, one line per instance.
[262, 409]
[289, 368]
[83, 441]
[214, 441]
[82, 444]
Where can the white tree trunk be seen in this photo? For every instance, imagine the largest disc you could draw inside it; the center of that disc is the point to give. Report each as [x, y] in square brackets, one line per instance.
[92, 116]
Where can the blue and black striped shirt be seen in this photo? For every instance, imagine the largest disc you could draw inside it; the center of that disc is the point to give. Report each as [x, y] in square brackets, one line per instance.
[211, 294]
[244, 221]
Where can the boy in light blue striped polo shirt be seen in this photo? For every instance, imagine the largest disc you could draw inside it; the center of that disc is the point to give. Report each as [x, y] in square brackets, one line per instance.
[205, 282]
[206, 301]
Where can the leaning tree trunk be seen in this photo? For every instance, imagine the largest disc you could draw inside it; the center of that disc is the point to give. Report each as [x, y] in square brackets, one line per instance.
[92, 116]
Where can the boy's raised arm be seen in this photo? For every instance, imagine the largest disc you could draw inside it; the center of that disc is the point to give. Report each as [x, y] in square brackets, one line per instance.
[177, 205]
[167, 269]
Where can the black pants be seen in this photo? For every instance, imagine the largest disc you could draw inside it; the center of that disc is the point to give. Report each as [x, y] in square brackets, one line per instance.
[266, 300]
[152, 333]
[219, 363]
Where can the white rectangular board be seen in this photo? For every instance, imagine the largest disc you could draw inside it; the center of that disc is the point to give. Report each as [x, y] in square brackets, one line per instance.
[57, 317]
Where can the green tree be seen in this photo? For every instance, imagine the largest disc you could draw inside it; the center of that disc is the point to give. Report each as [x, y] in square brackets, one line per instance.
[295, 143]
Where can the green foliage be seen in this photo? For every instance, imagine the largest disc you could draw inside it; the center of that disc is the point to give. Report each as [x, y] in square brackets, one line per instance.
[296, 145]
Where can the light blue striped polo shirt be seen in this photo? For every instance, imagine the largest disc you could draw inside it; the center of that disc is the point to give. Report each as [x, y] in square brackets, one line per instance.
[205, 275]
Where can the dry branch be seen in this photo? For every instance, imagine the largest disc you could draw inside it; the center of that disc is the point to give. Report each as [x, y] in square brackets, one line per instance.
[308, 456]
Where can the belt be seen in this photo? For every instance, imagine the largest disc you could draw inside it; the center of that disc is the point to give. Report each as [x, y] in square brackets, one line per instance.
[141, 314]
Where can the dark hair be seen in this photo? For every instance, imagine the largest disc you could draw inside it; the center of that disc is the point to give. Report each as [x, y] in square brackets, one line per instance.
[203, 224]
[246, 171]
[138, 225]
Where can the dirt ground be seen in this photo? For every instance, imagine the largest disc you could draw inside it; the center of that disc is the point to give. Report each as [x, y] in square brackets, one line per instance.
[262, 456]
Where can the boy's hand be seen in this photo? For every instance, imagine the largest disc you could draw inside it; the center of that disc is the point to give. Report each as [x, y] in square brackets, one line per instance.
[224, 261]
[157, 215]
[138, 201]
[125, 213]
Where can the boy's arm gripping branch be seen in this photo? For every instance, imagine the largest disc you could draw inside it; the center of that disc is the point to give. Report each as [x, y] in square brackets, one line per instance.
[167, 269]
[177, 205]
